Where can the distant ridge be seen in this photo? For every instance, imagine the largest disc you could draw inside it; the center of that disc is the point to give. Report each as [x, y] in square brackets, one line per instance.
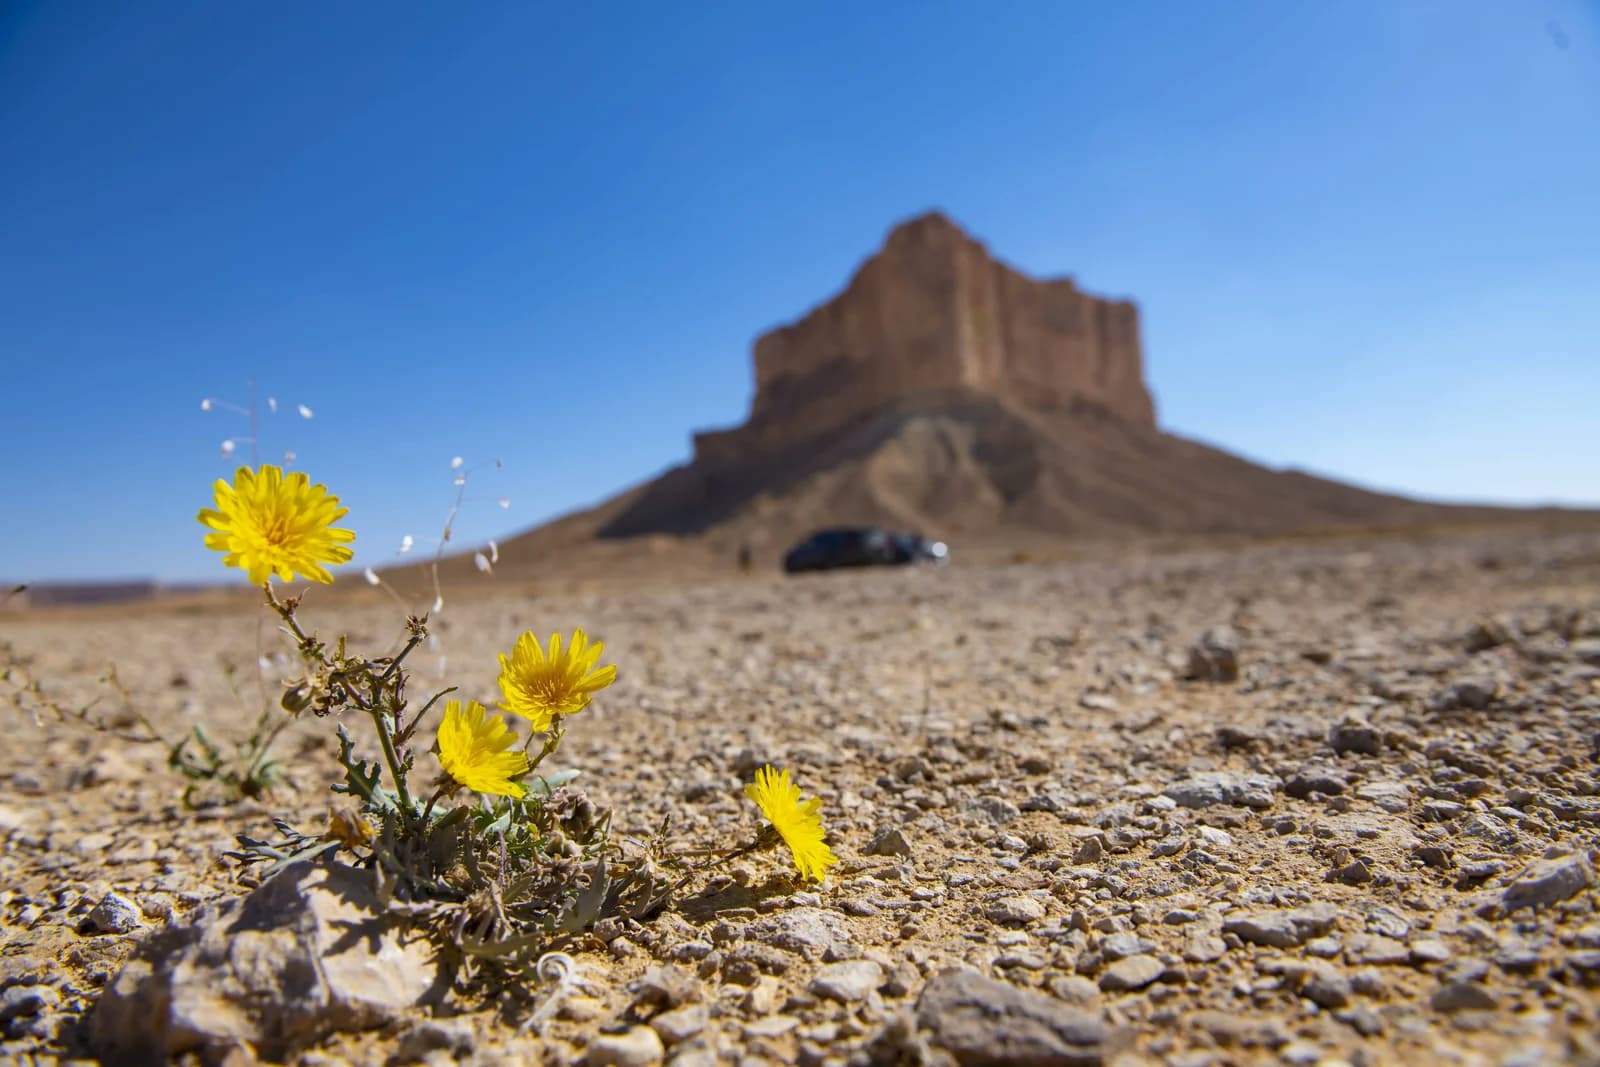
[944, 391]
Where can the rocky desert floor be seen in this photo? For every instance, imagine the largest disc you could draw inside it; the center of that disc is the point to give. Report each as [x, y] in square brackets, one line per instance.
[1317, 803]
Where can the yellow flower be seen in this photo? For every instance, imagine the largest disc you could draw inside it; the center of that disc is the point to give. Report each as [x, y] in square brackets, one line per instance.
[542, 687]
[798, 823]
[473, 750]
[268, 524]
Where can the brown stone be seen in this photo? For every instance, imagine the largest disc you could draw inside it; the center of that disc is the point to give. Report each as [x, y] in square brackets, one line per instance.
[932, 312]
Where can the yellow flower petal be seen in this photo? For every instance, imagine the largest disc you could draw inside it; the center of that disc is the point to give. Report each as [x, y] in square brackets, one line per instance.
[798, 823]
[542, 687]
[267, 525]
[473, 750]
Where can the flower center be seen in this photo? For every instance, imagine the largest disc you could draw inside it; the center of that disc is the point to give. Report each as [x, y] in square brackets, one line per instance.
[547, 683]
[276, 531]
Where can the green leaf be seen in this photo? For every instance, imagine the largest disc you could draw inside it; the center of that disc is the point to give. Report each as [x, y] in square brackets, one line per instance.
[587, 907]
[545, 784]
[361, 781]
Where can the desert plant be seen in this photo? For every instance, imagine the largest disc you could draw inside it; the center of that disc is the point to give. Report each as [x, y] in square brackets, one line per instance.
[496, 855]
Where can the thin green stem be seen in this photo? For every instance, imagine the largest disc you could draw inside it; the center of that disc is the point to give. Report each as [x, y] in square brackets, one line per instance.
[392, 758]
[264, 746]
[405, 734]
[552, 741]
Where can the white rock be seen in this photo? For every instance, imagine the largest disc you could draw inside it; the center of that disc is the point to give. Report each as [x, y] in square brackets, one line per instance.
[1015, 910]
[681, 1024]
[847, 982]
[308, 952]
[115, 914]
[638, 1047]
[1549, 881]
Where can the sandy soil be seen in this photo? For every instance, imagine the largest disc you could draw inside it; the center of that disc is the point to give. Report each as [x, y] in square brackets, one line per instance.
[1314, 862]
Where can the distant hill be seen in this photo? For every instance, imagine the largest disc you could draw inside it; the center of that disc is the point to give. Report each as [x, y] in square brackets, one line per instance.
[946, 393]
[943, 391]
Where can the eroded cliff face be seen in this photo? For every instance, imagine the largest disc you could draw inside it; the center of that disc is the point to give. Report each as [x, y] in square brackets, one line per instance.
[944, 392]
[932, 312]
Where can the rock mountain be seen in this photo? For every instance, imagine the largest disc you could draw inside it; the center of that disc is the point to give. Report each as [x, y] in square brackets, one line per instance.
[946, 392]
[932, 313]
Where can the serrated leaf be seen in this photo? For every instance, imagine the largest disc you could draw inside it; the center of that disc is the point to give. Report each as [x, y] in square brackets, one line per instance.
[589, 905]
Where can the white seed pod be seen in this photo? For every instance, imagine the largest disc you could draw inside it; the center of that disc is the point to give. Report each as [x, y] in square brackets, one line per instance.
[272, 404]
[438, 604]
[228, 446]
[372, 577]
[305, 412]
[205, 405]
[481, 562]
[406, 544]
[456, 462]
[494, 552]
[504, 502]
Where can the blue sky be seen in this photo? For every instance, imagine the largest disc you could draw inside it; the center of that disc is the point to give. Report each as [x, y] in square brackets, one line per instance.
[1365, 236]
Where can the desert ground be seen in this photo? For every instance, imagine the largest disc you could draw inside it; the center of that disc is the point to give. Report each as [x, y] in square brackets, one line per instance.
[1311, 802]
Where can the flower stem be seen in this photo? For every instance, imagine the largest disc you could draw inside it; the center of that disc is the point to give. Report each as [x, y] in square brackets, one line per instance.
[286, 613]
[446, 787]
[552, 741]
[392, 758]
[394, 664]
[405, 734]
[731, 853]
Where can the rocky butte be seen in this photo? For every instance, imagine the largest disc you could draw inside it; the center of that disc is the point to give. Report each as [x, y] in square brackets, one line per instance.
[932, 313]
[945, 392]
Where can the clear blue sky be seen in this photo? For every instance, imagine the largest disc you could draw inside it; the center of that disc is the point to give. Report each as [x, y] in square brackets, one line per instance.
[1365, 236]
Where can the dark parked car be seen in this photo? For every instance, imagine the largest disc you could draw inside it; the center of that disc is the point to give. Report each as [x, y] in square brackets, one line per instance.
[860, 546]
[914, 548]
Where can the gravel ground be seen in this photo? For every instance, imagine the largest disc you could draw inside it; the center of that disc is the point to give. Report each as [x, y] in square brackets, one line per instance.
[1305, 803]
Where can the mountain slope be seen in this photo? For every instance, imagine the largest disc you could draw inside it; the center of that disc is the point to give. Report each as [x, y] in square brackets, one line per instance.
[968, 464]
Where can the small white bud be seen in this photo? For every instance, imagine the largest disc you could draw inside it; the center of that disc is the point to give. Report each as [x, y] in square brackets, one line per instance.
[494, 552]
[372, 577]
[504, 502]
[227, 447]
[272, 404]
[481, 561]
[205, 405]
[305, 412]
[460, 479]
[405, 544]
[455, 464]
[438, 604]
